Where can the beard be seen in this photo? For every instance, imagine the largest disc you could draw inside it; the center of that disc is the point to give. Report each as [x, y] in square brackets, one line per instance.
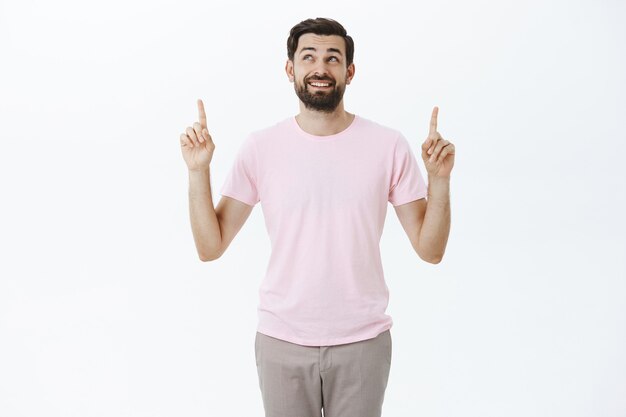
[321, 101]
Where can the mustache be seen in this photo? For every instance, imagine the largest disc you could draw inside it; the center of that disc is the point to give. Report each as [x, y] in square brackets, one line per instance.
[318, 78]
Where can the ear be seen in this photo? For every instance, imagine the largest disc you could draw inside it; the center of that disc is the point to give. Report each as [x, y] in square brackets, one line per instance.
[350, 73]
[289, 70]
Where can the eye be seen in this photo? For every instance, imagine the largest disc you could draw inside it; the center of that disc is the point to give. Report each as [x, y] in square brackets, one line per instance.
[307, 57]
[334, 57]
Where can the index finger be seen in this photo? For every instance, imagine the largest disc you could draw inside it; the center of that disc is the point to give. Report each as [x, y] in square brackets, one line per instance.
[201, 113]
[433, 121]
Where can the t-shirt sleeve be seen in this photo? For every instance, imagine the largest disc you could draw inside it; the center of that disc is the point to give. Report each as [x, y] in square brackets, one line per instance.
[241, 180]
[407, 182]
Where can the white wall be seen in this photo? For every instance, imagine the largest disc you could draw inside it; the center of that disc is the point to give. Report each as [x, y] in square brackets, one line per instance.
[105, 308]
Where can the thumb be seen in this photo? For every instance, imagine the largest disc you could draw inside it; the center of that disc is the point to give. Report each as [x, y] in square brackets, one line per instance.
[426, 145]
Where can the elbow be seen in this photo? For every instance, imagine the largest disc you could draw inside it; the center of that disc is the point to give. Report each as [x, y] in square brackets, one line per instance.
[435, 260]
[429, 255]
[430, 258]
[208, 257]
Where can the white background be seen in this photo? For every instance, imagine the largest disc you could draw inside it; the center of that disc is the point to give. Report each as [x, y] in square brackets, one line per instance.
[105, 307]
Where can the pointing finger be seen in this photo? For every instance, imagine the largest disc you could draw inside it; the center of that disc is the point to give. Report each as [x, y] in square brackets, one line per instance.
[433, 121]
[201, 113]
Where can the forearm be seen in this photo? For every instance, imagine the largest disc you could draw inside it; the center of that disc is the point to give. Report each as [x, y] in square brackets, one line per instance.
[204, 223]
[436, 225]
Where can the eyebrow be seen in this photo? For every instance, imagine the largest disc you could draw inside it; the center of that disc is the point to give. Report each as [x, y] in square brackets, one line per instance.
[310, 48]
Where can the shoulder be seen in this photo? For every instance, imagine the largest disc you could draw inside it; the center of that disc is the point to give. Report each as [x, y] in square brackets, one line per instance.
[384, 132]
[266, 132]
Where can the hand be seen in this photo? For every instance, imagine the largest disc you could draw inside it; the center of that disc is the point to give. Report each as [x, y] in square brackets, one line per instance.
[197, 144]
[437, 153]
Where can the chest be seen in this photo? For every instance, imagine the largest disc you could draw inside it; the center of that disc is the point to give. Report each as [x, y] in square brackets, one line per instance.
[328, 176]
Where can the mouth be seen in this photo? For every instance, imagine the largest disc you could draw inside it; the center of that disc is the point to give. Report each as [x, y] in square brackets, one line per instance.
[323, 85]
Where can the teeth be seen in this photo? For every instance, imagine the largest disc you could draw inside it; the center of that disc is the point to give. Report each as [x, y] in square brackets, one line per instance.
[320, 84]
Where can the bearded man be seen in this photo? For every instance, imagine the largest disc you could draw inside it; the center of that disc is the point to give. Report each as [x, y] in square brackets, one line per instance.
[324, 178]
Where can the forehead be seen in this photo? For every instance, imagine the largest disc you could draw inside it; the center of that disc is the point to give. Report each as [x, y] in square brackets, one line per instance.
[321, 42]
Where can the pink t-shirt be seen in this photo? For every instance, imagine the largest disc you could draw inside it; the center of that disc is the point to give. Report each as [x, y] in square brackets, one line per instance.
[324, 200]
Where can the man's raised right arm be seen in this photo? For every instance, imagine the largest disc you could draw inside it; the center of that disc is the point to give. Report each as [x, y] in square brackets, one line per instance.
[213, 228]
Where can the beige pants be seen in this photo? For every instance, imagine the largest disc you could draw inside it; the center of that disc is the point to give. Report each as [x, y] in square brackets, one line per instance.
[346, 380]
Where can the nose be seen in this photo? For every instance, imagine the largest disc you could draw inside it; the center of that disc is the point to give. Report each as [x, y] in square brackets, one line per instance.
[321, 70]
[323, 74]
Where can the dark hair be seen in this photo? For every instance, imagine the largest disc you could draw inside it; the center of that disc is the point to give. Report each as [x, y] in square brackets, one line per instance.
[319, 26]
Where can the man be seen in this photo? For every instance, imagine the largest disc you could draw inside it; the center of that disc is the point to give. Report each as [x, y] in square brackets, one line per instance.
[324, 178]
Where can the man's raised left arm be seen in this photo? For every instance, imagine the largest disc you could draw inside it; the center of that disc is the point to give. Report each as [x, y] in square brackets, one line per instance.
[427, 221]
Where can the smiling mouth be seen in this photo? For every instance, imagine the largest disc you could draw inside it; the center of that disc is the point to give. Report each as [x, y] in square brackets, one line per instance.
[320, 84]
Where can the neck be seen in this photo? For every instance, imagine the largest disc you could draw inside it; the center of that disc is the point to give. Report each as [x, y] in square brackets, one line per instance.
[324, 124]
